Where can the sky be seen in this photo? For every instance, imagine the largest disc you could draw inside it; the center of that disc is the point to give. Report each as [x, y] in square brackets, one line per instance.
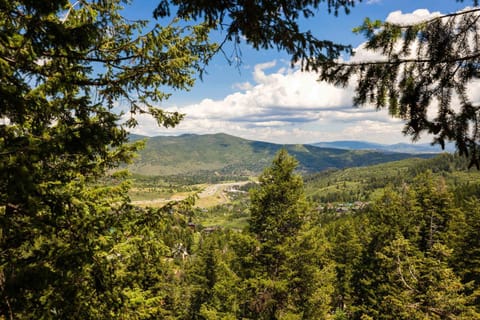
[265, 99]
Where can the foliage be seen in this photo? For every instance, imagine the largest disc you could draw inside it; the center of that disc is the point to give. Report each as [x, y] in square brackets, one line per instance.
[72, 247]
[423, 286]
[293, 276]
[278, 204]
[427, 65]
[216, 285]
[265, 24]
[64, 67]
[410, 254]
[49, 257]
[98, 259]
[140, 275]
[404, 270]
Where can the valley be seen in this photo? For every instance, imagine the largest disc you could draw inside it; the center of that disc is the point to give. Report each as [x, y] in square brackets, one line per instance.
[222, 170]
[343, 222]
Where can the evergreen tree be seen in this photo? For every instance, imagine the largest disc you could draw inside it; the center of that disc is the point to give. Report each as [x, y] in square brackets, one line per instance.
[215, 284]
[141, 275]
[278, 204]
[347, 247]
[422, 285]
[64, 67]
[292, 276]
[463, 239]
[265, 24]
[426, 65]
[310, 273]
[436, 208]
[405, 271]
[277, 208]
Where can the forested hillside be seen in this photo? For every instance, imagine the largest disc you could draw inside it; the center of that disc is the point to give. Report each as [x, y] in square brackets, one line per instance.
[76, 77]
[229, 155]
[410, 254]
[367, 183]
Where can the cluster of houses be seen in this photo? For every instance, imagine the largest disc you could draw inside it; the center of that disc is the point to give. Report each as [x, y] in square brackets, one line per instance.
[343, 207]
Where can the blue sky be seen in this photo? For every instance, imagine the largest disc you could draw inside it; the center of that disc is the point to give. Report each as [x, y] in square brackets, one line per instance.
[264, 99]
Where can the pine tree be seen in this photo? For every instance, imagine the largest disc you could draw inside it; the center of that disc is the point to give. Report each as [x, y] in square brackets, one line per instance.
[292, 275]
[64, 67]
[422, 285]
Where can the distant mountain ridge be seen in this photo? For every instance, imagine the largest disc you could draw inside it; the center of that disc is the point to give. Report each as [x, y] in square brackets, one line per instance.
[226, 154]
[398, 147]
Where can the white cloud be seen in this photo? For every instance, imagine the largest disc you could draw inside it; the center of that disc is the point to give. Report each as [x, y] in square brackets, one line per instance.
[286, 105]
[416, 16]
[283, 106]
[242, 86]
[361, 54]
[396, 17]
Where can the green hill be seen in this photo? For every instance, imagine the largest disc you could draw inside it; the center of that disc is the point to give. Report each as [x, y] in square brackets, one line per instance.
[367, 183]
[229, 155]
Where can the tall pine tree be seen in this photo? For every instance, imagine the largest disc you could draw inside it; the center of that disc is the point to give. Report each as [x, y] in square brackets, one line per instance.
[64, 67]
[292, 278]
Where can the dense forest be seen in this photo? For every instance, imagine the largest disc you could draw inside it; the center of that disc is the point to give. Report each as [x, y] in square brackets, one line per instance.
[411, 253]
[74, 246]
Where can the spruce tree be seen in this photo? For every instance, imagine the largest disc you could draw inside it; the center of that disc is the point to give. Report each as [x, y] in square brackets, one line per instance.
[292, 276]
[65, 68]
[405, 270]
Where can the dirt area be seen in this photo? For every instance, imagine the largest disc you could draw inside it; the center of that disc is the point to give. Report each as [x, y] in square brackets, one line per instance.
[212, 195]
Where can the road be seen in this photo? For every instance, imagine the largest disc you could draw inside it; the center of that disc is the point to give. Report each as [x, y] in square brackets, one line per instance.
[212, 189]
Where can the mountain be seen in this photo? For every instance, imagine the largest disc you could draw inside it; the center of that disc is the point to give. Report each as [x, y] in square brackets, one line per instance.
[229, 155]
[134, 137]
[399, 147]
[349, 145]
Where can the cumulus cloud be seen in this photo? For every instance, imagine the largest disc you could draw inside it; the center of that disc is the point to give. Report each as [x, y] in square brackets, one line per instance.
[242, 86]
[416, 16]
[285, 105]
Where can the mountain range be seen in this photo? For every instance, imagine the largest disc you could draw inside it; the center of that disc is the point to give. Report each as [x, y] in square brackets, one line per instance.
[398, 147]
[229, 155]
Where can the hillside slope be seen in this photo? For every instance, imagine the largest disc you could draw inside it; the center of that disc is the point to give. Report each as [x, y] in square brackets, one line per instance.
[225, 154]
[368, 183]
